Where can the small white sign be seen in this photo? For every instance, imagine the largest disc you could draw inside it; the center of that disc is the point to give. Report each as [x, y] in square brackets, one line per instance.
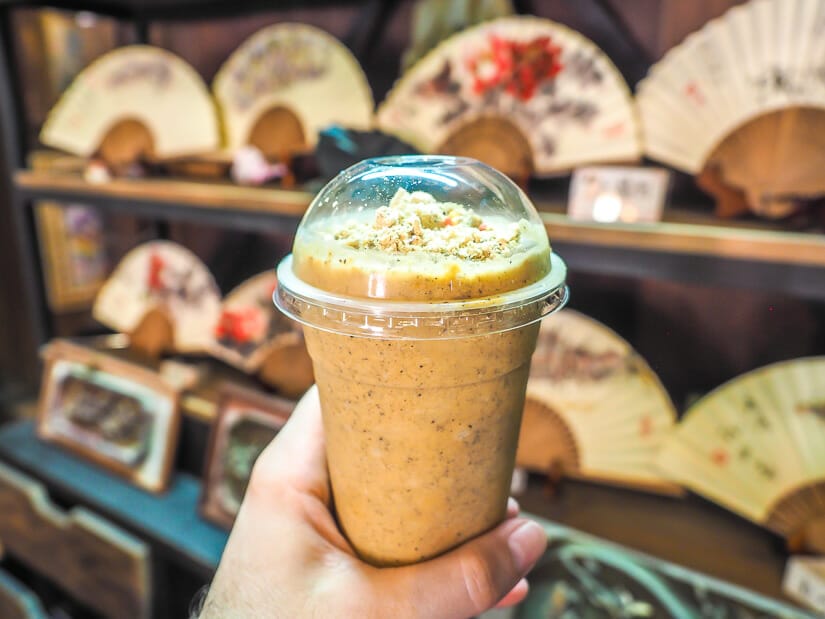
[804, 581]
[608, 194]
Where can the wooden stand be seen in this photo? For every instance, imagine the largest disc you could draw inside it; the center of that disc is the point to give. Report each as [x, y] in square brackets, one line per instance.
[127, 142]
[774, 161]
[154, 335]
[288, 367]
[545, 443]
[495, 141]
[278, 134]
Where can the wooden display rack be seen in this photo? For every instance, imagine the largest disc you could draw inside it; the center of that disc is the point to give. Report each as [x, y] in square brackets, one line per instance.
[685, 248]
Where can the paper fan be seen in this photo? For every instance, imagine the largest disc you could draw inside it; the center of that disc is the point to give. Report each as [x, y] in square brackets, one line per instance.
[522, 93]
[144, 95]
[594, 408]
[286, 83]
[756, 445]
[699, 103]
[162, 278]
[249, 323]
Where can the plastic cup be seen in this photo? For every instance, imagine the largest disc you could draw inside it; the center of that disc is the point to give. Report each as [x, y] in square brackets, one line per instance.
[421, 360]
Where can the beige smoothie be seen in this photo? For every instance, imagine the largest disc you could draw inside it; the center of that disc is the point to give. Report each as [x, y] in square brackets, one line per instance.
[421, 433]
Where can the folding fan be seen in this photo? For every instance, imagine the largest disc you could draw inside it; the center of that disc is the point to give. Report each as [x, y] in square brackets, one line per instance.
[161, 277]
[704, 105]
[594, 408]
[756, 445]
[286, 83]
[139, 93]
[524, 94]
[249, 323]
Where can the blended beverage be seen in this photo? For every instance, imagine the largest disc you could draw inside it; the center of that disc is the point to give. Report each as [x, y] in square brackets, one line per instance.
[421, 430]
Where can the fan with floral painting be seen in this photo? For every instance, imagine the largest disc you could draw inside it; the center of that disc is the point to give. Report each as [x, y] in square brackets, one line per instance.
[136, 102]
[284, 84]
[523, 94]
[164, 297]
[252, 335]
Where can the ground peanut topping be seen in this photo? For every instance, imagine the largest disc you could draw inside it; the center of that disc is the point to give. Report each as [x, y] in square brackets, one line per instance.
[417, 222]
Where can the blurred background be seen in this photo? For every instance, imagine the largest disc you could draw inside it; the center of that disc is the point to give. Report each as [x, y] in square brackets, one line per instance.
[143, 190]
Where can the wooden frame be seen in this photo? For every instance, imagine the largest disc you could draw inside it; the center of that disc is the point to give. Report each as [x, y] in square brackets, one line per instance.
[60, 248]
[264, 415]
[144, 455]
[95, 561]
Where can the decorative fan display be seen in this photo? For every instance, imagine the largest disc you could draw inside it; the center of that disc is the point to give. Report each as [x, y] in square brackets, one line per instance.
[594, 408]
[162, 282]
[756, 445]
[250, 324]
[136, 101]
[252, 335]
[523, 94]
[742, 96]
[286, 83]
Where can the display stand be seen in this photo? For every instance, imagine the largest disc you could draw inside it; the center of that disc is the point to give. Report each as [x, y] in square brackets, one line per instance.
[185, 549]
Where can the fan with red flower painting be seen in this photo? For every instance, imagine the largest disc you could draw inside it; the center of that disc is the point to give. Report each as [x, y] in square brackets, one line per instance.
[523, 94]
[252, 335]
[164, 293]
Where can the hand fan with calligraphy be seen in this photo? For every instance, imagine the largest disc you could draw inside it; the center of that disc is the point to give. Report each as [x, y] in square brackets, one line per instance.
[523, 94]
[136, 101]
[756, 445]
[741, 98]
[159, 282]
[287, 82]
[594, 408]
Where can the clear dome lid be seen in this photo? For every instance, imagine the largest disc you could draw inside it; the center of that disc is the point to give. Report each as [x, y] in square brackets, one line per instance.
[419, 235]
[373, 183]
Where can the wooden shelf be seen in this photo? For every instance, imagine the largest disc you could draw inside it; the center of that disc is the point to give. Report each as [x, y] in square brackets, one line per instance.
[686, 247]
[206, 195]
[710, 238]
[170, 521]
[217, 203]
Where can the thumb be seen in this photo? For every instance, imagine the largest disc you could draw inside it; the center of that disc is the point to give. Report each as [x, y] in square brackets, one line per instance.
[473, 577]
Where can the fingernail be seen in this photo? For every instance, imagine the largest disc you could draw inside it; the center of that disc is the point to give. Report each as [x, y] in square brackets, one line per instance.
[527, 543]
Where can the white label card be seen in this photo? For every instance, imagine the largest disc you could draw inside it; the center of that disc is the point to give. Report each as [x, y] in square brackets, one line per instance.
[608, 194]
[804, 581]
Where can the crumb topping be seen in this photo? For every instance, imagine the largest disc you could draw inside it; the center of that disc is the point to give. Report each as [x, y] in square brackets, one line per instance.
[417, 222]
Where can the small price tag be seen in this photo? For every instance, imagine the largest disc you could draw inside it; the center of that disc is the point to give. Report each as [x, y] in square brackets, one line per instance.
[608, 194]
[804, 581]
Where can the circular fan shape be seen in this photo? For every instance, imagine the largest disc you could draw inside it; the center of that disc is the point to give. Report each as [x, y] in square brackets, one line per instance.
[250, 324]
[163, 276]
[556, 91]
[141, 93]
[756, 445]
[701, 105]
[598, 408]
[286, 83]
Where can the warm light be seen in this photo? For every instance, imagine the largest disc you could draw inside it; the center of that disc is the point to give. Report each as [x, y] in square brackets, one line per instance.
[607, 208]
[85, 19]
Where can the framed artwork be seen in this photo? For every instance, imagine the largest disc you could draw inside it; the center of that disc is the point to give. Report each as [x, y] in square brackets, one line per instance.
[73, 249]
[122, 416]
[246, 422]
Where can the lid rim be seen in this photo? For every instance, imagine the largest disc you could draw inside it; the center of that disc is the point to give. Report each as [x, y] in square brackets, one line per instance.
[546, 286]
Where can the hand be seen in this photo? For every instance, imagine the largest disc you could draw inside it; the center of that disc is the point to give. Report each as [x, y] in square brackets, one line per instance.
[286, 557]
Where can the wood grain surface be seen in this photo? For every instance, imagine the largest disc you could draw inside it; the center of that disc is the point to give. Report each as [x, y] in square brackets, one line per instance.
[97, 563]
